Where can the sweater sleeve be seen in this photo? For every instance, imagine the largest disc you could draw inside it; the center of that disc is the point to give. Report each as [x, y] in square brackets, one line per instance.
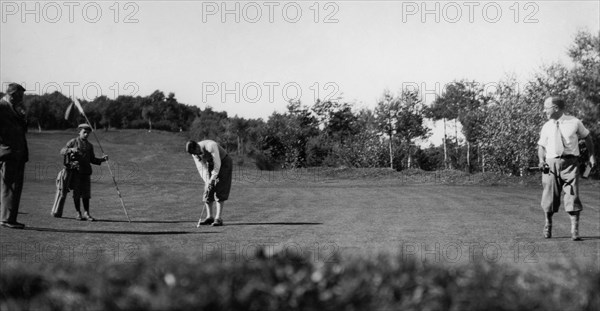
[213, 149]
[202, 168]
[93, 158]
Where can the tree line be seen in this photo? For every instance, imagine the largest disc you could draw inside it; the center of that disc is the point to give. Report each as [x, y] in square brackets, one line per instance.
[500, 126]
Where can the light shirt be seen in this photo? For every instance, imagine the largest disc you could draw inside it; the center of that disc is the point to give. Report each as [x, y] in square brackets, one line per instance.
[571, 130]
[211, 150]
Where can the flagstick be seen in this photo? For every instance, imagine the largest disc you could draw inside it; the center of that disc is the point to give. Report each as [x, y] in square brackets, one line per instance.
[109, 169]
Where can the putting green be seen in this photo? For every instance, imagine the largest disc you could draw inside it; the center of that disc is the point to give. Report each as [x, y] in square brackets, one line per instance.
[303, 212]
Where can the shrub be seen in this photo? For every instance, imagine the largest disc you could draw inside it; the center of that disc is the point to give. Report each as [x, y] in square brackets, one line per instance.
[163, 281]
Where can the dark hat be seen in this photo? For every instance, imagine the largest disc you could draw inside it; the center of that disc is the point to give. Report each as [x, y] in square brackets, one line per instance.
[84, 126]
[13, 88]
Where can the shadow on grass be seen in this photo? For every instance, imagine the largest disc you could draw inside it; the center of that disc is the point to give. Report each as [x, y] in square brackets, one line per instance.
[148, 221]
[138, 221]
[273, 223]
[116, 231]
[568, 237]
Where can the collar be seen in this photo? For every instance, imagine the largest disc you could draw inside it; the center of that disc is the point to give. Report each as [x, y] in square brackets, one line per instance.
[561, 119]
[81, 140]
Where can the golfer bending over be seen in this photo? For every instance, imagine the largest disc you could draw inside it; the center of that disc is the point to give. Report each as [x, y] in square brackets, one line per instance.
[216, 169]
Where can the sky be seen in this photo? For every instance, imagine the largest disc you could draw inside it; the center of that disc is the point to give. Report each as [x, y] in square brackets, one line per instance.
[249, 58]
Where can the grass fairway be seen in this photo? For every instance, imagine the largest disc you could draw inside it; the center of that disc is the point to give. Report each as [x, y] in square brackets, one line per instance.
[306, 212]
[307, 239]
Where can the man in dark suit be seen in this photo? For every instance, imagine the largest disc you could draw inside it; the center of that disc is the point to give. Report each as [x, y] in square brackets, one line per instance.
[13, 155]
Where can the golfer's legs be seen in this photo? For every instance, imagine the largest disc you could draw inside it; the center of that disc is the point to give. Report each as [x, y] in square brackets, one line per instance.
[208, 206]
[11, 186]
[570, 175]
[551, 193]
[219, 209]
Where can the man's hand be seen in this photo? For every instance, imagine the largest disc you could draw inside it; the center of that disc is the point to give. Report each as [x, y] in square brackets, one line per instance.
[212, 184]
[592, 160]
[542, 167]
[105, 158]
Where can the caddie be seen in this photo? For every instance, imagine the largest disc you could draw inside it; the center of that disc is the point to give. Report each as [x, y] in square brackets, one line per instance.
[216, 169]
[81, 177]
[558, 147]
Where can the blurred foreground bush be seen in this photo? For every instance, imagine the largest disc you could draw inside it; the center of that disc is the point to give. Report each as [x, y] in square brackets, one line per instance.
[163, 282]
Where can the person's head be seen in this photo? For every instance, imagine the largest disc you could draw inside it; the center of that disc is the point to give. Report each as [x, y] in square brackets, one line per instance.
[554, 107]
[15, 93]
[192, 147]
[84, 131]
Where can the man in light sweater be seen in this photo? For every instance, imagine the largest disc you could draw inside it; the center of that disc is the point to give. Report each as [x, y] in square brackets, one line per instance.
[216, 169]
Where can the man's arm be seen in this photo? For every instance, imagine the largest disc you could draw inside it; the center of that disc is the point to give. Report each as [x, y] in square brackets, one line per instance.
[542, 143]
[93, 158]
[6, 151]
[6, 148]
[541, 155]
[589, 144]
[202, 168]
[589, 141]
[214, 151]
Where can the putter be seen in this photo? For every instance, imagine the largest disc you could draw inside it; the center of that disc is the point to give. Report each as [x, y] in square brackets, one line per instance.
[544, 169]
[201, 214]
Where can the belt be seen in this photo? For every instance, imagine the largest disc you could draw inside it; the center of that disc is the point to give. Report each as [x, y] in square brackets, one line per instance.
[567, 156]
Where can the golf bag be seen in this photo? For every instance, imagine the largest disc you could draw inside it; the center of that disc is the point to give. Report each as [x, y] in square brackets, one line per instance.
[63, 181]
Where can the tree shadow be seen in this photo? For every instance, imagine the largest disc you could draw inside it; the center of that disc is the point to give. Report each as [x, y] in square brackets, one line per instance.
[116, 231]
[273, 223]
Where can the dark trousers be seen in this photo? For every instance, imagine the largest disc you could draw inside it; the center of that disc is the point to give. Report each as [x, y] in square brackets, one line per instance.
[223, 187]
[11, 186]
